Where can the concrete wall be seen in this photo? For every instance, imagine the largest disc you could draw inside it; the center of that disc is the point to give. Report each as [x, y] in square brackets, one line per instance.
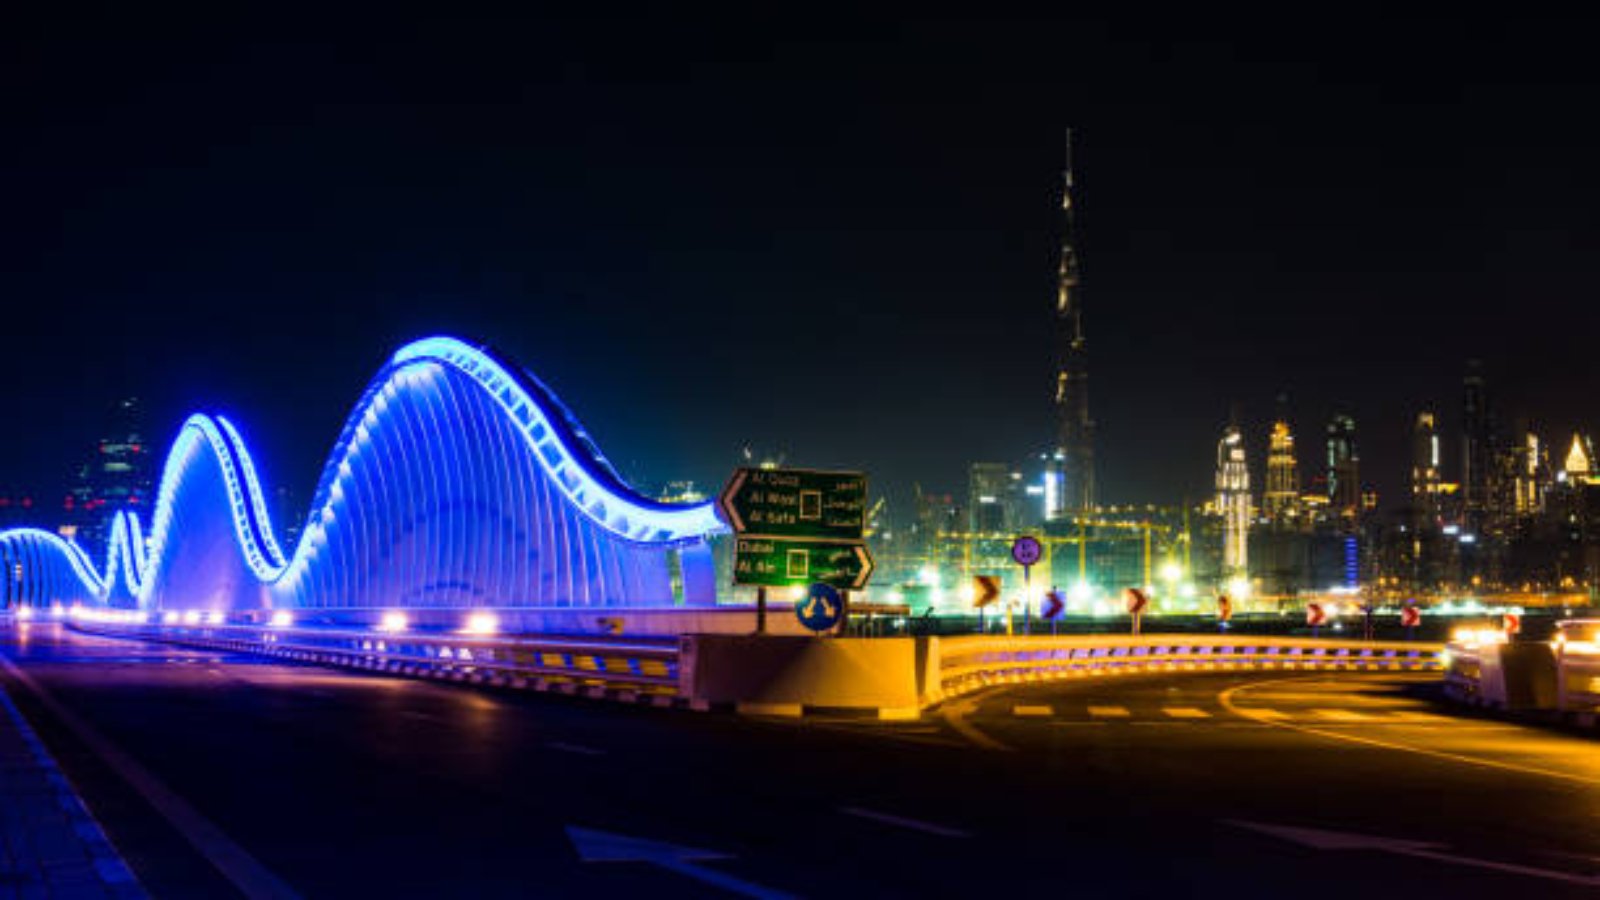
[777, 674]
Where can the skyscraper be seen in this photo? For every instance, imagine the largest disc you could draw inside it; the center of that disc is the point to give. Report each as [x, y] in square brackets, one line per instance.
[1076, 435]
[117, 476]
[1344, 469]
[1233, 503]
[1281, 499]
[1477, 448]
[1427, 490]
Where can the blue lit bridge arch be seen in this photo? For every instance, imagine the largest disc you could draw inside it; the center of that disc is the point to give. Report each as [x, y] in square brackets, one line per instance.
[458, 482]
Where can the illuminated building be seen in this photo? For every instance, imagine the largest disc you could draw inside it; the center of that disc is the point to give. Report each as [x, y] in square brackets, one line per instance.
[1281, 498]
[1477, 449]
[117, 476]
[1427, 489]
[1076, 436]
[1344, 470]
[994, 498]
[1532, 479]
[459, 482]
[1579, 467]
[1233, 503]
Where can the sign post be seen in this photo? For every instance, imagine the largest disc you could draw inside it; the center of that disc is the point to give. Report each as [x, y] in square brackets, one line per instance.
[1511, 624]
[985, 590]
[1224, 611]
[1054, 603]
[1315, 617]
[1410, 618]
[1026, 550]
[795, 527]
[1137, 602]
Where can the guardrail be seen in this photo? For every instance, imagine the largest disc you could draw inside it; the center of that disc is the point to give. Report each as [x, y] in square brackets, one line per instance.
[970, 663]
[625, 669]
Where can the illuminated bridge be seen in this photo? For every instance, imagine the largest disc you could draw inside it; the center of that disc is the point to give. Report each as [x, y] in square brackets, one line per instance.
[459, 482]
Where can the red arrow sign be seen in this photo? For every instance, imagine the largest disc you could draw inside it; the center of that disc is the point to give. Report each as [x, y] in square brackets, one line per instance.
[1315, 615]
[1137, 601]
[1053, 605]
[1224, 607]
[1511, 623]
[985, 590]
[1410, 616]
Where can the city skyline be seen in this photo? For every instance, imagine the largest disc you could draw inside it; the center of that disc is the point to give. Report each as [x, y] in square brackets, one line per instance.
[1245, 259]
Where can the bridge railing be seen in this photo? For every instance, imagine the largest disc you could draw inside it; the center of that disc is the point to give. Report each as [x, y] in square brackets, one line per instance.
[971, 663]
[642, 666]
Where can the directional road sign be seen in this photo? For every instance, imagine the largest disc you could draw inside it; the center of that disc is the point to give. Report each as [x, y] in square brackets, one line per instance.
[1053, 605]
[1511, 623]
[821, 608]
[778, 562]
[1316, 616]
[1137, 601]
[1026, 550]
[985, 590]
[795, 503]
[1224, 607]
[1410, 616]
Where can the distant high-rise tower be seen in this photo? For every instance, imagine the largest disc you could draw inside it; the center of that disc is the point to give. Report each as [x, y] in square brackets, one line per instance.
[1281, 500]
[117, 476]
[1477, 447]
[1076, 436]
[1233, 503]
[1427, 498]
[1344, 469]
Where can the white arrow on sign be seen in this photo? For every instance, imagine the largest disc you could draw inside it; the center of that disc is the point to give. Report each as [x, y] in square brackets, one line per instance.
[606, 847]
[1321, 839]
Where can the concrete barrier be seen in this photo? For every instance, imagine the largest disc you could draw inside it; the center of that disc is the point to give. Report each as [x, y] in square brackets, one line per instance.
[890, 677]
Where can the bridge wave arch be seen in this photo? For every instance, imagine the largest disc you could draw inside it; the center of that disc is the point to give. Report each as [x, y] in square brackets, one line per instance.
[459, 481]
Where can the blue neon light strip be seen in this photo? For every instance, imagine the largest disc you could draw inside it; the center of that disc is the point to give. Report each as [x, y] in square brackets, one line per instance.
[528, 413]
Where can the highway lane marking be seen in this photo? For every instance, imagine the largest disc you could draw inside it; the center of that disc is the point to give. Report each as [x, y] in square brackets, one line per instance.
[235, 863]
[1225, 700]
[955, 715]
[1261, 712]
[1109, 712]
[1321, 839]
[905, 822]
[1340, 715]
[1033, 711]
[1185, 712]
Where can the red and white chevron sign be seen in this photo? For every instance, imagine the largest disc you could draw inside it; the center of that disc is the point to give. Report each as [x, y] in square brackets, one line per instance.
[1511, 623]
[1410, 616]
[1224, 607]
[1137, 601]
[1316, 615]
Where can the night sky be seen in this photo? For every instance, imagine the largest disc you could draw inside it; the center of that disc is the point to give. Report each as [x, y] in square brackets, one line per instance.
[835, 237]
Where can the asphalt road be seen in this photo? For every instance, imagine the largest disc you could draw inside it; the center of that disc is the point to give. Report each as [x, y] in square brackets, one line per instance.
[210, 771]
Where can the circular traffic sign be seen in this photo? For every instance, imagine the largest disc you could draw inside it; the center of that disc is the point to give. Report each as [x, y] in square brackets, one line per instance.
[1027, 550]
[821, 608]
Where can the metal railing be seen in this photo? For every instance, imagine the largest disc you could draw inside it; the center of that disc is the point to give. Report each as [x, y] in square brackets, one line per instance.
[644, 666]
[970, 663]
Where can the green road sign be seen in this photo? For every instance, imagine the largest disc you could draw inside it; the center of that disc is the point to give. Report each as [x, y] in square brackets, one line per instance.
[795, 503]
[779, 562]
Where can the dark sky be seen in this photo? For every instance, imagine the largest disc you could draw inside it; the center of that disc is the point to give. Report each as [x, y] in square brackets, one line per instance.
[832, 236]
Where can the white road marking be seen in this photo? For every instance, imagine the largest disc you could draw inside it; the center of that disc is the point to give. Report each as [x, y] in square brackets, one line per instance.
[579, 749]
[904, 822]
[1262, 712]
[1185, 712]
[1032, 711]
[1109, 712]
[233, 861]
